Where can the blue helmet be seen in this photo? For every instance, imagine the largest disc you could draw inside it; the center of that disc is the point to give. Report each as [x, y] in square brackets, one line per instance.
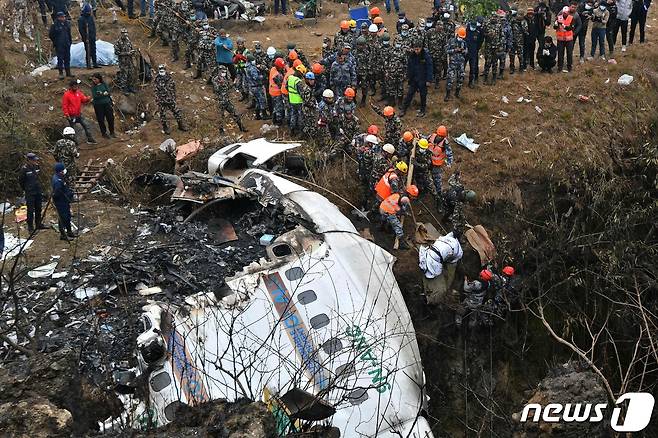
[309, 75]
[59, 167]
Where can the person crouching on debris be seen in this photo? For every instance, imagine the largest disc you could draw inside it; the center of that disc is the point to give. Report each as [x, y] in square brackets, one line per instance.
[393, 207]
[475, 293]
[62, 198]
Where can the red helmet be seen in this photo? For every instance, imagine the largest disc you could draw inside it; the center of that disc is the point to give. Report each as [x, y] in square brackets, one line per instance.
[375, 11]
[412, 190]
[509, 271]
[349, 92]
[373, 130]
[296, 63]
[442, 131]
[486, 275]
[279, 63]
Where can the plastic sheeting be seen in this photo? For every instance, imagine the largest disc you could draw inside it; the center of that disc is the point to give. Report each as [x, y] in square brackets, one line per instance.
[104, 55]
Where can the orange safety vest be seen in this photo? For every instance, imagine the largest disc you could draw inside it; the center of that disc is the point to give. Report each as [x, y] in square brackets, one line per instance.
[561, 33]
[274, 89]
[438, 152]
[390, 205]
[383, 187]
[284, 86]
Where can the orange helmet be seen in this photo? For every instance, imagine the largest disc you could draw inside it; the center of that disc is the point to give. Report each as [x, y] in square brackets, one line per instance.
[344, 25]
[378, 20]
[461, 32]
[349, 92]
[317, 68]
[373, 130]
[296, 63]
[442, 131]
[388, 111]
[407, 136]
[375, 11]
[292, 55]
[412, 190]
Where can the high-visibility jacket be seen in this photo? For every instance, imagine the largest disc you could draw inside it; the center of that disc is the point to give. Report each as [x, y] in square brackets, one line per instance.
[383, 187]
[293, 90]
[284, 85]
[438, 151]
[390, 205]
[561, 33]
[274, 89]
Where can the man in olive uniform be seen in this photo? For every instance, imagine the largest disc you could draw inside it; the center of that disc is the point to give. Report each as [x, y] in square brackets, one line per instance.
[165, 98]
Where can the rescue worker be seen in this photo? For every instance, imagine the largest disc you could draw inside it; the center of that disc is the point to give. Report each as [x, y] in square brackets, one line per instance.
[310, 114]
[342, 75]
[362, 56]
[165, 99]
[294, 97]
[343, 36]
[519, 34]
[494, 43]
[457, 51]
[474, 41]
[395, 68]
[62, 198]
[475, 293]
[402, 20]
[422, 165]
[300, 53]
[392, 181]
[365, 151]
[441, 157]
[432, 258]
[207, 55]
[221, 84]
[382, 160]
[28, 179]
[508, 37]
[346, 102]
[327, 129]
[321, 80]
[405, 144]
[564, 32]
[191, 38]
[126, 77]
[277, 73]
[255, 82]
[60, 35]
[22, 18]
[240, 63]
[393, 207]
[453, 200]
[392, 123]
[420, 73]
[327, 49]
[65, 151]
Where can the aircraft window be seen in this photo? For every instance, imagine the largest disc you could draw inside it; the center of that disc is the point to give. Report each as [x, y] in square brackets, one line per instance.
[345, 370]
[319, 321]
[170, 410]
[357, 396]
[282, 250]
[332, 345]
[306, 297]
[293, 274]
[160, 381]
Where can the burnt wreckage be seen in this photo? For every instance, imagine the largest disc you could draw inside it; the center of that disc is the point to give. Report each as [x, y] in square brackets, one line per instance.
[282, 301]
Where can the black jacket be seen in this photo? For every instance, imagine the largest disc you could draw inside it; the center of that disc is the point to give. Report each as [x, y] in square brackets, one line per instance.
[60, 34]
[28, 179]
[545, 58]
[543, 18]
[419, 67]
[87, 27]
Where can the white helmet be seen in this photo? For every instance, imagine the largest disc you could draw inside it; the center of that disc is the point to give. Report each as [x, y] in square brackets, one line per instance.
[373, 28]
[328, 94]
[271, 51]
[68, 131]
[388, 148]
[372, 139]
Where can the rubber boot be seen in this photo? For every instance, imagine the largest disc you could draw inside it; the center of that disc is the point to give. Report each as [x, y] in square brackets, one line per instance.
[198, 74]
[258, 116]
[165, 128]
[493, 79]
[457, 90]
[68, 72]
[188, 64]
[500, 74]
[447, 98]
[470, 82]
[486, 79]
[181, 126]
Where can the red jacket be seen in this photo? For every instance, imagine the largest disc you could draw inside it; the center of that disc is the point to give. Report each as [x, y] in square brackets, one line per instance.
[72, 102]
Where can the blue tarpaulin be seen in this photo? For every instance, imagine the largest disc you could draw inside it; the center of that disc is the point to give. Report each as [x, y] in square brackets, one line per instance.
[104, 54]
[360, 15]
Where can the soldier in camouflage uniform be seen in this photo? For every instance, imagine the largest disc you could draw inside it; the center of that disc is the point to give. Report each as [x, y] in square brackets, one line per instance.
[454, 198]
[362, 56]
[22, 17]
[240, 61]
[395, 72]
[263, 64]
[436, 45]
[170, 26]
[381, 162]
[255, 82]
[343, 36]
[422, 164]
[342, 75]
[392, 123]
[375, 74]
[366, 146]
[509, 40]
[126, 77]
[310, 106]
[66, 151]
[349, 127]
[192, 34]
[403, 39]
[457, 51]
[300, 53]
[519, 34]
[157, 28]
[327, 128]
[494, 43]
[327, 49]
[165, 98]
[221, 85]
[417, 33]
[345, 103]
[206, 55]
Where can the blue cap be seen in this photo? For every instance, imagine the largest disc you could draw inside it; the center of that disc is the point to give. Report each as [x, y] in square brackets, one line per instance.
[309, 75]
[86, 9]
[31, 156]
[59, 167]
[61, 14]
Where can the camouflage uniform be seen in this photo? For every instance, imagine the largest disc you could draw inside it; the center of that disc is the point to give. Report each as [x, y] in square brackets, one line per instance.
[321, 84]
[278, 107]
[395, 71]
[327, 124]
[362, 55]
[494, 43]
[192, 35]
[343, 106]
[170, 27]
[165, 98]
[417, 34]
[349, 126]
[380, 164]
[392, 126]
[263, 64]
[341, 38]
[375, 73]
[309, 110]
[509, 39]
[402, 149]
[435, 43]
[126, 75]
[342, 76]
[519, 33]
[422, 164]
[159, 12]
[364, 157]
[66, 151]
[22, 17]
[457, 51]
[327, 50]
[404, 40]
[453, 199]
[255, 81]
[437, 171]
[206, 56]
[221, 83]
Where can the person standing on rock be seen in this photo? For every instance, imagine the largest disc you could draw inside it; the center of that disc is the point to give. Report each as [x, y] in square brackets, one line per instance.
[66, 151]
[28, 179]
[22, 18]
[72, 102]
[103, 106]
[165, 98]
[62, 198]
[87, 29]
[60, 35]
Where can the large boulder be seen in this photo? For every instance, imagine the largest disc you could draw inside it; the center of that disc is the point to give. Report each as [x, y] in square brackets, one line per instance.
[34, 417]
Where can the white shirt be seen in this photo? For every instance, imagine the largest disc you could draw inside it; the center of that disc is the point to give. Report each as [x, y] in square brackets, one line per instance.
[430, 262]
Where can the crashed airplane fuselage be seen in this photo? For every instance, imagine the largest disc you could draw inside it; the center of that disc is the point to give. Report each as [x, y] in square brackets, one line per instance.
[318, 330]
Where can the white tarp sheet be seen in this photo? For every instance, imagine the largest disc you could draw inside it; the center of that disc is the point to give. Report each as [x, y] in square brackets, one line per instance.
[104, 54]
